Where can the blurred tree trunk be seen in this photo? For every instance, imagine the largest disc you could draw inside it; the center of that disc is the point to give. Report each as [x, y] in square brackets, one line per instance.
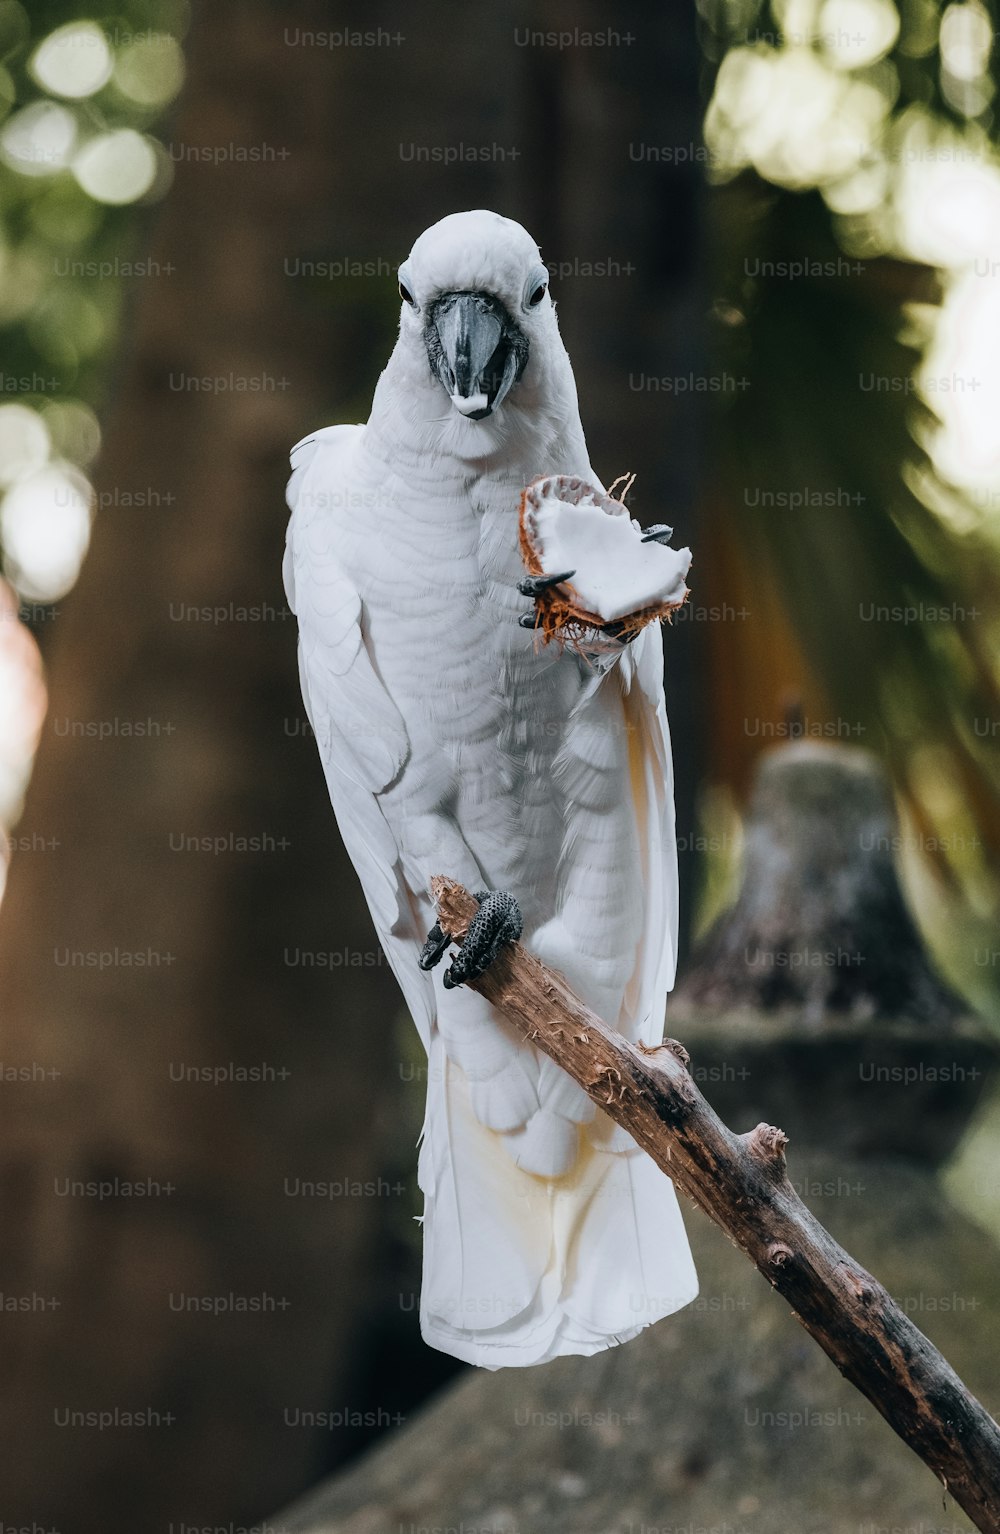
[219, 932]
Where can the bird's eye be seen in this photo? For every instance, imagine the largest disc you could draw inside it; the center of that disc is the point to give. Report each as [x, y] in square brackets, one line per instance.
[535, 287]
[407, 296]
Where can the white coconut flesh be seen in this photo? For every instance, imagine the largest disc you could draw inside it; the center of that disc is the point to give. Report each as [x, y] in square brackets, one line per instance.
[616, 574]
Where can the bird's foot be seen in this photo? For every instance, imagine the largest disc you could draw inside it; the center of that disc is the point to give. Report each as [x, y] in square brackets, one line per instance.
[434, 946]
[535, 586]
[496, 923]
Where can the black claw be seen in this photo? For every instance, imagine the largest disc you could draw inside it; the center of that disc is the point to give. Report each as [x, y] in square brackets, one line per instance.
[434, 947]
[496, 923]
[528, 620]
[535, 585]
[658, 533]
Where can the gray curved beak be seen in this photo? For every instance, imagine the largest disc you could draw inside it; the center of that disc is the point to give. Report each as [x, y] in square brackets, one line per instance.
[475, 351]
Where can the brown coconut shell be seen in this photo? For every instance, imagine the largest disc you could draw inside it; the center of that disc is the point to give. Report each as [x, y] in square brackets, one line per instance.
[558, 611]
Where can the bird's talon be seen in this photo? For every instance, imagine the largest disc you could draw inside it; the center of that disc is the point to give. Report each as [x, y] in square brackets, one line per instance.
[528, 620]
[535, 585]
[434, 947]
[658, 533]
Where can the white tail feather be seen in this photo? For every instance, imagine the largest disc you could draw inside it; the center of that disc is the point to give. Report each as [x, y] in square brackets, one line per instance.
[518, 1269]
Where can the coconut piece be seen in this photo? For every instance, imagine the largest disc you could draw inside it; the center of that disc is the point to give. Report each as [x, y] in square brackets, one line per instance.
[568, 524]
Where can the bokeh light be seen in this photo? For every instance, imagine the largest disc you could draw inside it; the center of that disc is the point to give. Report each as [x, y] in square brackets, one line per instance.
[116, 167]
[150, 70]
[815, 107]
[74, 430]
[855, 33]
[966, 40]
[74, 60]
[45, 528]
[789, 114]
[76, 104]
[24, 443]
[22, 709]
[39, 139]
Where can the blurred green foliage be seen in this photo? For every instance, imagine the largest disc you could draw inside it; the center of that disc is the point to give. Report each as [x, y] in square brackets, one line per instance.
[855, 192]
[81, 89]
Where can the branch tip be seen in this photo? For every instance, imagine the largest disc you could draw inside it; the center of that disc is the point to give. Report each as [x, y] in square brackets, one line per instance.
[768, 1144]
[455, 906]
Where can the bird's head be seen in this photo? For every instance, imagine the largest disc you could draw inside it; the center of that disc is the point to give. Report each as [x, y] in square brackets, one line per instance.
[476, 309]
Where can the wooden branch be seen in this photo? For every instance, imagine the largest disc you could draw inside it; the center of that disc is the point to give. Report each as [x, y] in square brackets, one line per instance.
[740, 1182]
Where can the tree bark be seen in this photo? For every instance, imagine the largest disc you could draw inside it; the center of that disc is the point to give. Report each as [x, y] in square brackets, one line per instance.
[201, 847]
[740, 1181]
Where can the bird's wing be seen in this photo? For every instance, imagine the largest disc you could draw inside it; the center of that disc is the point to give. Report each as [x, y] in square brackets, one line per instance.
[482, 1239]
[652, 763]
[614, 932]
[360, 733]
[653, 794]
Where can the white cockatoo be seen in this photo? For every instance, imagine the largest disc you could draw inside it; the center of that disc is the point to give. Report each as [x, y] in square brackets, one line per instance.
[454, 743]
